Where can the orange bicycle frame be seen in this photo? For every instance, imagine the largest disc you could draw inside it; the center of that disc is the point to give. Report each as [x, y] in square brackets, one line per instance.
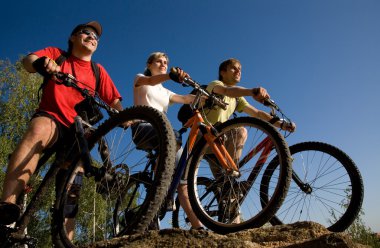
[214, 143]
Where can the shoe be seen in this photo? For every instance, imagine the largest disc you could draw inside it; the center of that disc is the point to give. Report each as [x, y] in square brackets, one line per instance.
[9, 213]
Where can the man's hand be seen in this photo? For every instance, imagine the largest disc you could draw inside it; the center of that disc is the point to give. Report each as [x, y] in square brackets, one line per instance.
[46, 66]
[260, 94]
[290, 127]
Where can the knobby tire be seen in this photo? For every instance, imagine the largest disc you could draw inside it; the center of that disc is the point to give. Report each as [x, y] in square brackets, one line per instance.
[100, 216]
[230, 199]
[335, 195]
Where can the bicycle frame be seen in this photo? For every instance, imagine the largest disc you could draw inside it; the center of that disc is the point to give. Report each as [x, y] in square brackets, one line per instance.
[196, 124]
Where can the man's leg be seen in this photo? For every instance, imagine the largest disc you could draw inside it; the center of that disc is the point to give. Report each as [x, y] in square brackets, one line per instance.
[236, 139]
[42, 133]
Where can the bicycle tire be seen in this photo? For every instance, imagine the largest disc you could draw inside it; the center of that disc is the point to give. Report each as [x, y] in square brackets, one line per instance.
[236, 197]
[179, 218]
[331, 175]
[95, 220]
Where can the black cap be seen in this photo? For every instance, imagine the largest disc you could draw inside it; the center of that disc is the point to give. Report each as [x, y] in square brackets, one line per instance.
[93, 24]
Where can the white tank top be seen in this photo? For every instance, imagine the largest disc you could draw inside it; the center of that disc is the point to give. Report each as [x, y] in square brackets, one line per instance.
[155, 96]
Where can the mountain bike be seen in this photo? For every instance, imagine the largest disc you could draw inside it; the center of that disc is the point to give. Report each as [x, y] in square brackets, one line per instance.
[326, 185]
[103, 164]
[223, 190]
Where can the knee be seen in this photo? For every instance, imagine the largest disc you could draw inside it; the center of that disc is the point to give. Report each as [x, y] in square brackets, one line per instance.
[242, 134]
[42, 130]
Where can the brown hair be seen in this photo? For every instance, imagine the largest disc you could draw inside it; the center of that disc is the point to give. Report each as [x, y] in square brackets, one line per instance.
[152, 57]
[223, 66]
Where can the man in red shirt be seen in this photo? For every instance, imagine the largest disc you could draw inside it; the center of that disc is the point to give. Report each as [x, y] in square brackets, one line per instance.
[56, 112]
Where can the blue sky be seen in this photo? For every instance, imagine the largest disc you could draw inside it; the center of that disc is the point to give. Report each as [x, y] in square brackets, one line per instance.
[319, 60]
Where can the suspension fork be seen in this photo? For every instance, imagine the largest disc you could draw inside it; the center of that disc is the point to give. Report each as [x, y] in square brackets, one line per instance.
[210, 135]
[305, 187]
[85, 156]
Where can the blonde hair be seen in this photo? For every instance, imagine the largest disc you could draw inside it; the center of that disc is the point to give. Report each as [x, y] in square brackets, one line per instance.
[150, 60]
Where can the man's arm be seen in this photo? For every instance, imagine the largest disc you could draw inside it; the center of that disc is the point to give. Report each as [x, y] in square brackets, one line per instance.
[43, 65]
[252, 111]
[259, 94]
[28, 62]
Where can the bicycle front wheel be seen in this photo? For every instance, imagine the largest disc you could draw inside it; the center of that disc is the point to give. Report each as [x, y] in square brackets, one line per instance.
[231, 203]
[326, 188]
[109, 205]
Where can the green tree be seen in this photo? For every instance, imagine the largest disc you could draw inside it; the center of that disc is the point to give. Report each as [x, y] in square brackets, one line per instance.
[358, 230]
[362, 234]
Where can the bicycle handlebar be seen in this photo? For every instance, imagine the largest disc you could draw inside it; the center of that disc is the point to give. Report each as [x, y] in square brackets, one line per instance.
[276, 109]
[211, 97]
[70, 81]
[216, 100]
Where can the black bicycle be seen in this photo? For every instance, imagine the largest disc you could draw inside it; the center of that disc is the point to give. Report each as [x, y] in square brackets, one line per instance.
[103, 164]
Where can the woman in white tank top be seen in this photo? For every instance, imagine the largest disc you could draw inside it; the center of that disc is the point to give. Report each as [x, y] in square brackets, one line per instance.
[148, 90]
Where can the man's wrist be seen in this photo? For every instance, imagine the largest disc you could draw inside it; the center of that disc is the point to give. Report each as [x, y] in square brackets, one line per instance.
[255, 91]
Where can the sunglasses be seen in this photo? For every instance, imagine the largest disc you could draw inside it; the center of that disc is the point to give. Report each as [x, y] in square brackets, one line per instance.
[91, 33]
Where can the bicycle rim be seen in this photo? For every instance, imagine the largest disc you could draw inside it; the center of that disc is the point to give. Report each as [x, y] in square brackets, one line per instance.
[232, 203]
[109, 208]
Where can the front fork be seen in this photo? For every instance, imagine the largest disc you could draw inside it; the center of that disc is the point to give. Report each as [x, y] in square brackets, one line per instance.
[85, 156]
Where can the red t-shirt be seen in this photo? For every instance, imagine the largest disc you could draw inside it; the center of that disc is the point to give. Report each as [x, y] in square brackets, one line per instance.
[60, 100]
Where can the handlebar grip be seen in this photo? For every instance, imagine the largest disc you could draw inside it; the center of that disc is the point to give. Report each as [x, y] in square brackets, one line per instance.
[173, 74]
[195, 85]
[267, 102]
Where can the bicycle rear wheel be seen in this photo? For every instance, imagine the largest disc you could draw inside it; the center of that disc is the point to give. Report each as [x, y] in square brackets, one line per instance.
[330, 190]
[100, 216]
[231, 203]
